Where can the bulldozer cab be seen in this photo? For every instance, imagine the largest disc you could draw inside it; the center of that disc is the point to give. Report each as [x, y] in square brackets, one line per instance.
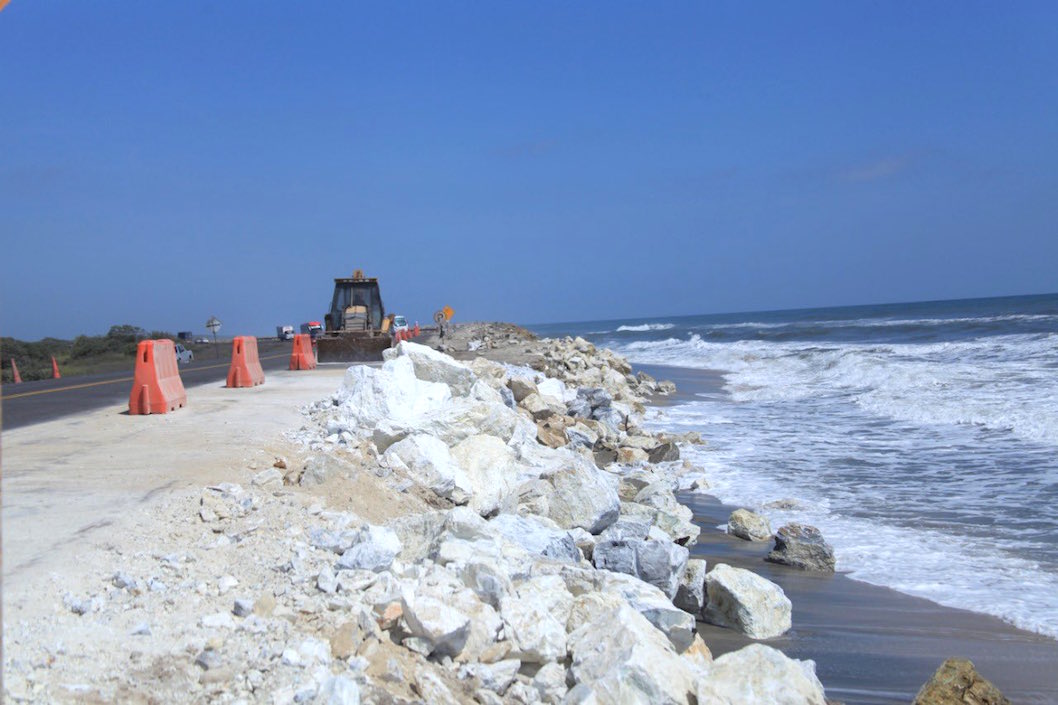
[356, 305]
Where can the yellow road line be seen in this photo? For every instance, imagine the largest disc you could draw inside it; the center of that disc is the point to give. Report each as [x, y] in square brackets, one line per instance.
[111, 381]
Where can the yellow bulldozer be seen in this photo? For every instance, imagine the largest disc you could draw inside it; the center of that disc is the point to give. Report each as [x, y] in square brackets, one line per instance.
[356, 328]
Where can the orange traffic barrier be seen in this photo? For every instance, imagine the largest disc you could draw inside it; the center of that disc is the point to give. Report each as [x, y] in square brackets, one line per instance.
[245, 370]
[14, 369]
[55, 369]
[302, 357]
[156, 384]
[416, 329]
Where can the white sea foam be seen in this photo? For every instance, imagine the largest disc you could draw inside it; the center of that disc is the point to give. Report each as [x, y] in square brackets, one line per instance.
[1001, 383]
[912, 549]
[886, 322]
[931, 467]
[647, 326]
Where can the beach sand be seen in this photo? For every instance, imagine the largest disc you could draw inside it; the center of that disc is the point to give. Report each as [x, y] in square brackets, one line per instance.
[870, 644]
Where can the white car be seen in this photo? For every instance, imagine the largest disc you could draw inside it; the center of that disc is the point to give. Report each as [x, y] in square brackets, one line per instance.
[183, 354]
[400, 323]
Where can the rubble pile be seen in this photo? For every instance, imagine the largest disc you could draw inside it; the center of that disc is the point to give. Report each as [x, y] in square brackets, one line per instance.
[473, 532]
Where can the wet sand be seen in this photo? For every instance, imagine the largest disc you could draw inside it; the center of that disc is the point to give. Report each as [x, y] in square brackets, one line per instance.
[870, 644]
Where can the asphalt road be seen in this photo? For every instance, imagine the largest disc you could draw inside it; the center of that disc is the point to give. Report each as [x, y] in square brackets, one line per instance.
[44, 400]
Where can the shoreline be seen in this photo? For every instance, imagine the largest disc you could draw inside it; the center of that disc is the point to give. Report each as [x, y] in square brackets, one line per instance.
[879, 645]
[872, 644]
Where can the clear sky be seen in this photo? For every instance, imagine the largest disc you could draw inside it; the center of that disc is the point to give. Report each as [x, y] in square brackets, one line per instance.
[534, 162]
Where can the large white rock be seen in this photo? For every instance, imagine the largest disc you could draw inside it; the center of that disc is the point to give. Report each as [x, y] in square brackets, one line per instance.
[535, 617]
[743, 600]
[537, 535]
[369, 395]
[430, 464]
[623, 659]
[448, 616]
[433, 366]
[583, 496]
[429, 616]
[762, 675]
[488, 465]
[459, 419]
[654, 605]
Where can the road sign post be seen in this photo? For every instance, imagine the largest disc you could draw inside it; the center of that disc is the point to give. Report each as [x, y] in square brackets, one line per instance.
[213, 324]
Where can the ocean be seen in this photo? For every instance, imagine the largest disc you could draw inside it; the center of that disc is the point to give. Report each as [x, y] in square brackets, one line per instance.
[920, 438]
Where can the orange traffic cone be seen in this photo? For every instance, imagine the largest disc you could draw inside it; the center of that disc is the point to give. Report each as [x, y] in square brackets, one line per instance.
[55, 369]
[416, 329]
[14, 368]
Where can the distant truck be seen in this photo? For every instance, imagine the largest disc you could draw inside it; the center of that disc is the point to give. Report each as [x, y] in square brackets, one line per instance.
[185, 335]
[313, 328]
[285, 332]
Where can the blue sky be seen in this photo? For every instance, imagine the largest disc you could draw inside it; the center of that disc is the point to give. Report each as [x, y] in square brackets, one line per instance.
[535, 162]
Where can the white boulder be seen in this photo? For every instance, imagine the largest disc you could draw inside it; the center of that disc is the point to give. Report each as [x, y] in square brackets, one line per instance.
[488, 466]
[583, 496]
[430, 464]
[762, 675]
[433, 366]
[742, 600]
[535, 617]
[623, 659]
[537, 535]
[653, 604]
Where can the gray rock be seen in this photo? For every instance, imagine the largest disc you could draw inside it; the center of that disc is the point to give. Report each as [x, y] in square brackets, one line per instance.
[690, 595]
[124, 581]
[664, 453]
[661, 563]
[208, 659]
[802, 546]
[243, 607]
[326, 581]
[618, 555]
[748, 526]
[626, 527]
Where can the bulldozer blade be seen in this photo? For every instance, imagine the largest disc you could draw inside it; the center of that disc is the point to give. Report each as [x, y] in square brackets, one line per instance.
[351, 348]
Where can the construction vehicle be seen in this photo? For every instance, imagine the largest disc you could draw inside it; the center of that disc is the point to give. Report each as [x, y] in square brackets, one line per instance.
[356, 327]
[312, 328]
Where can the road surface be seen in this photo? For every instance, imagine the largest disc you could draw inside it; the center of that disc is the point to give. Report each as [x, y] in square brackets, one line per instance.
[45, 400]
